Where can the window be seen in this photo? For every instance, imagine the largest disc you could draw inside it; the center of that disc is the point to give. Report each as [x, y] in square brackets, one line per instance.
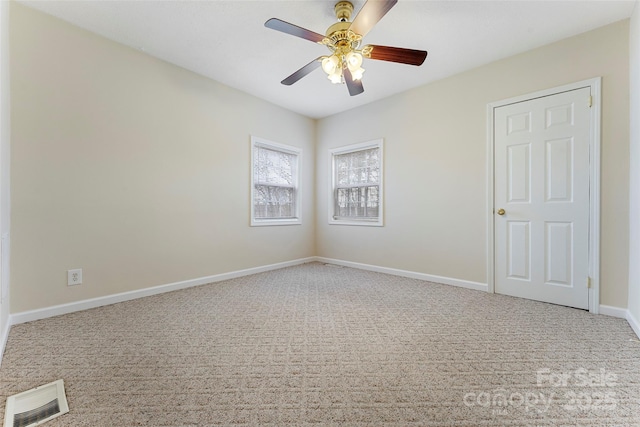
[356, 184]
[275, 190]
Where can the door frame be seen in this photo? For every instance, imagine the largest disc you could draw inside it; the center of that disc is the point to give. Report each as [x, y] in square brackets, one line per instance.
[594, 181]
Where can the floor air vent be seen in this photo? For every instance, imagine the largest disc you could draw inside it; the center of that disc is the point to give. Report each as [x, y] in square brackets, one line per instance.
[34, 407]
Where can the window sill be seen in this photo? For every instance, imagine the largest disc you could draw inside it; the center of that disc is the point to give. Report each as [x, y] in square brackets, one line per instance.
[269, 222]
[365, 223]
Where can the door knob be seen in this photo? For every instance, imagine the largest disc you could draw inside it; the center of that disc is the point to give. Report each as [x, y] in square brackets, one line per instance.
[501, 212]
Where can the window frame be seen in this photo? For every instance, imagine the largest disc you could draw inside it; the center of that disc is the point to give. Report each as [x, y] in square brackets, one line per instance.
[375, 222]
[283, 148]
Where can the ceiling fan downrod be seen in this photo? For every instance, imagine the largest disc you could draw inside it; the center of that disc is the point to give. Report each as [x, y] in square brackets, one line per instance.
[343, 10]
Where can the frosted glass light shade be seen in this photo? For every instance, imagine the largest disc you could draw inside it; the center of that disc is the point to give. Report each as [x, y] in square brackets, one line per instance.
[336, 77]
[329, 64]
[357, 74]
[354, 61]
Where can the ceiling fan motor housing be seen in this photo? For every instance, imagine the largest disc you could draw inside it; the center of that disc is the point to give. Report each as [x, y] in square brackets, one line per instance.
[339, 37]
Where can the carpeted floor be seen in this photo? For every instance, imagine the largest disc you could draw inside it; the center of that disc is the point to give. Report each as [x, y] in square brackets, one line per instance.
[321, 345]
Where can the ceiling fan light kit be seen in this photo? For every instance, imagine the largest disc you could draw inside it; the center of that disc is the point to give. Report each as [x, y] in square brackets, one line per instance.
[344, 64]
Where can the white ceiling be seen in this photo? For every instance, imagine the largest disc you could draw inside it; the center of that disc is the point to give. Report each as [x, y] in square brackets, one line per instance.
[227, 40]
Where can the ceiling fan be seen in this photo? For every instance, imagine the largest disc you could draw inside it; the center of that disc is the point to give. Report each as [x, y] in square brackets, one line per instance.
[343, 39]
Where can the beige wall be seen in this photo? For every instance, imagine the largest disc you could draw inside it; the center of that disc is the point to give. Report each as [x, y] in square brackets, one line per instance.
[133, 169]
[634, 211]
[435, 162]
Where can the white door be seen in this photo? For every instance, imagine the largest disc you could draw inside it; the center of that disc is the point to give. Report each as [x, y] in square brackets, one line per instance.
[541, 211]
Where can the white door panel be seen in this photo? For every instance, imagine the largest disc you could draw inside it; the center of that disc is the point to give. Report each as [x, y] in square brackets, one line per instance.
[541, 181]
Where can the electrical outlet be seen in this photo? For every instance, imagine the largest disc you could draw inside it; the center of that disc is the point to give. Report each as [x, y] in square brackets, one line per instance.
[74, 277]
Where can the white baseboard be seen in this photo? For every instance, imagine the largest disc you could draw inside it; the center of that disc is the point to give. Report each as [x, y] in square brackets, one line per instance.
[622, 313]
[410, 274]
[4, 337]
[43, 313]
[633, 322]
[608, 310]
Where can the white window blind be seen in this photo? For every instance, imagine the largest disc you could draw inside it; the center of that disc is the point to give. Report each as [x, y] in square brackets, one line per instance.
[357, 184]
[275, 189]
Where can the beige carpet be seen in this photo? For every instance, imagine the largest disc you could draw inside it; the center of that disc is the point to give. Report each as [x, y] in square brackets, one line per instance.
[321, 345]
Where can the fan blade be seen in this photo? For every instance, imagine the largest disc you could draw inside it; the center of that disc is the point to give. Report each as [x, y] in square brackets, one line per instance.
[394, 54]
[354, 86]
[294, 30]
[302, 72]
[370, 14]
